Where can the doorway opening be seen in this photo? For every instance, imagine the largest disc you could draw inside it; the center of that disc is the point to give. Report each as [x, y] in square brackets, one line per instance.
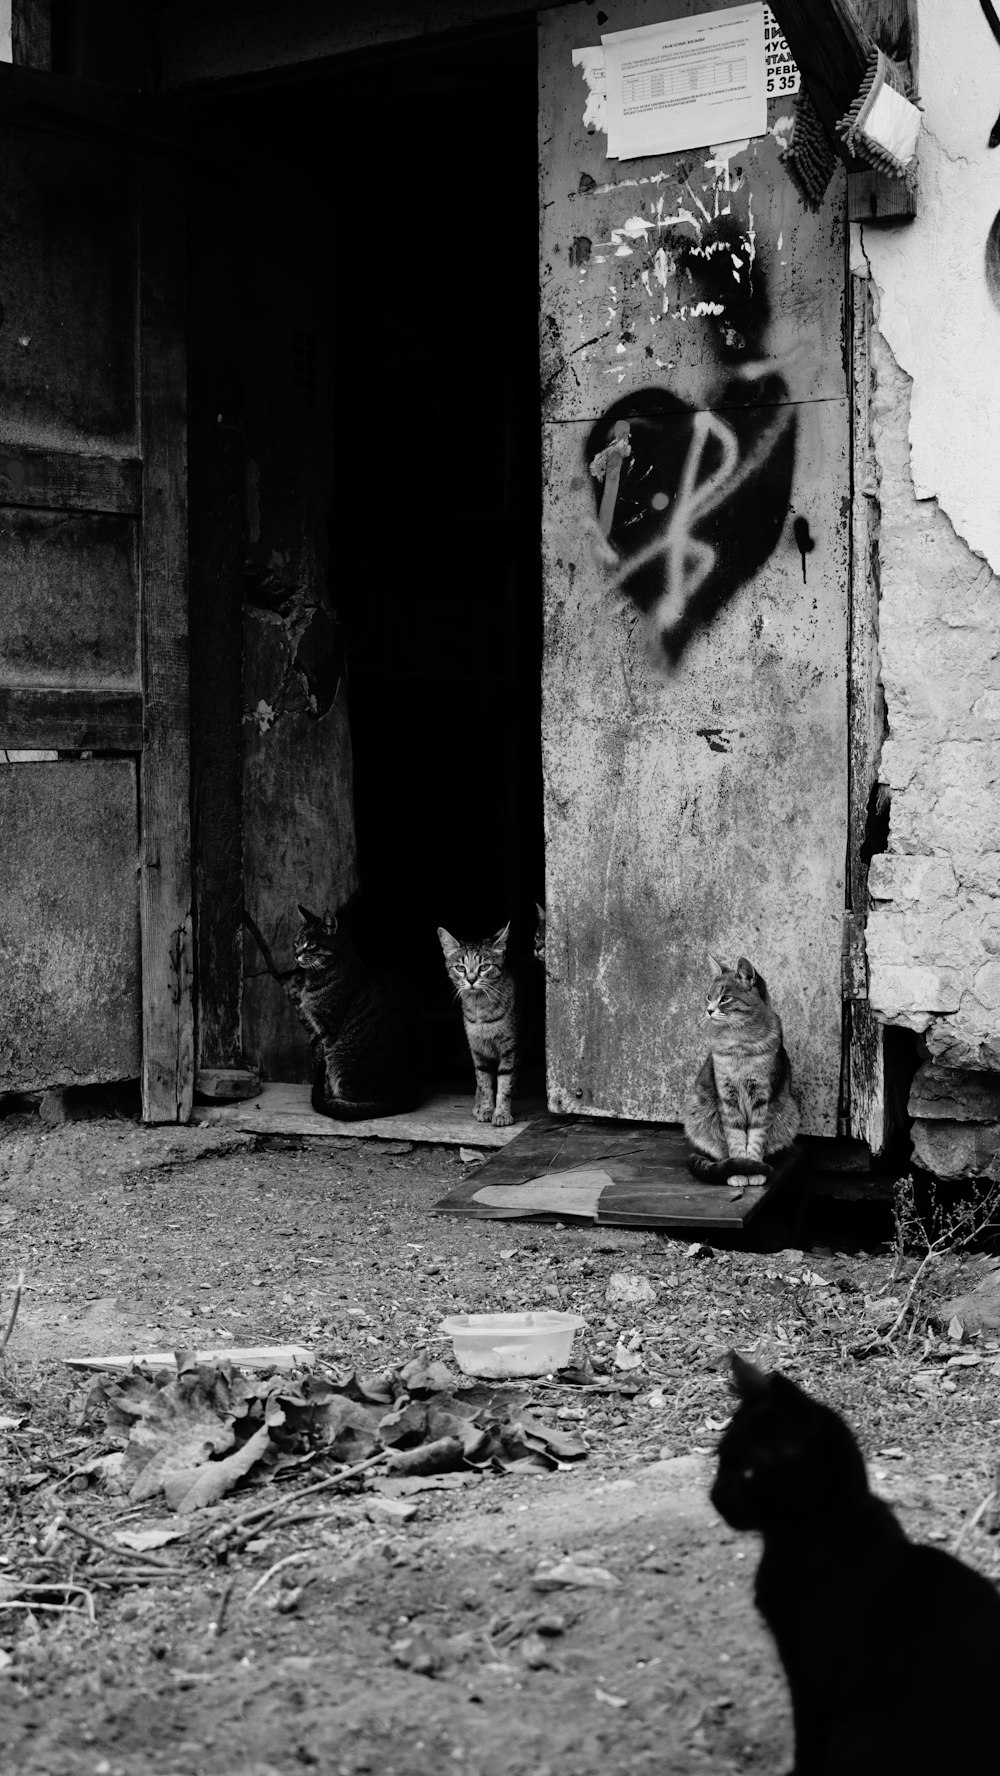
[365, 493]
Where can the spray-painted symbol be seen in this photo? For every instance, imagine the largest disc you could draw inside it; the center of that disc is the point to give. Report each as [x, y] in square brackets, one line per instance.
[691, 503]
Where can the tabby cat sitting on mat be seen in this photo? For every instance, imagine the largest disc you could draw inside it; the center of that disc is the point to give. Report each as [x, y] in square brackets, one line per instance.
[891, 1650]
[487, 989]
[741, 1110]
[362, 1025]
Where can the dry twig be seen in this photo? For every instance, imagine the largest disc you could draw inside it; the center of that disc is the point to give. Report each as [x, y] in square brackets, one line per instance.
[29, 1597]
[230, 1535]
[289, 1560]
[119, 1550]
[970, 1522]
[4, 1341]
[216, 1626]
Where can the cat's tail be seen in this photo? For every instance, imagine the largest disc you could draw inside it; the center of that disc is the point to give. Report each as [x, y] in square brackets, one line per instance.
[716, 1171]
[358, 1110]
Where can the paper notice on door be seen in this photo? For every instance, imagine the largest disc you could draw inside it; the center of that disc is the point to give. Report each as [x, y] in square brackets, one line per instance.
[686, 83]
[783, 78]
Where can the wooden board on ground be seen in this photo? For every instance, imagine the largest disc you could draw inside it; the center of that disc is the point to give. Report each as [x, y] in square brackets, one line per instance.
[617, 1174]
[286, 1110]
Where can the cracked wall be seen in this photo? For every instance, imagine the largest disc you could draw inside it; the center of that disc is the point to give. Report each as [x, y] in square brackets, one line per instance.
[934, 929]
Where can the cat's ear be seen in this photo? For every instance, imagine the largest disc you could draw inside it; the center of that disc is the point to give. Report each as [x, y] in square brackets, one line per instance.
[717, 967]
[311, 918]
[499, 943]
[449, 944]
[540, 910]
[329, 921]
[746, 1379]
[746, 973]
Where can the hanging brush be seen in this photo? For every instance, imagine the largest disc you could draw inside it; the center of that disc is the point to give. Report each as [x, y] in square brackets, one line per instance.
[809, 157]
[882, 124]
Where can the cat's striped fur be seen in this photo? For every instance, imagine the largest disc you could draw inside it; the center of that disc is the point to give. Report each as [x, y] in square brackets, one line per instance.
[741, 1109]
[362, 1025]
[490, 1011]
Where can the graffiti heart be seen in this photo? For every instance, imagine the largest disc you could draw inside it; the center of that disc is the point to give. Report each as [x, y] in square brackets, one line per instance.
[690, 503]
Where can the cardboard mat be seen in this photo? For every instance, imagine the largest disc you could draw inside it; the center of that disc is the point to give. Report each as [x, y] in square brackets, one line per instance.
[618, 1174]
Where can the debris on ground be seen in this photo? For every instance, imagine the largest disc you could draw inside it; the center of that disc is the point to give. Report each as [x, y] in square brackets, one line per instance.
[349, 1615]
[629, 1289]
[194, 1436]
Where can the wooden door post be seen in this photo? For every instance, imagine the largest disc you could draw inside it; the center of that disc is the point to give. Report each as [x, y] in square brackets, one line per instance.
[165, 840]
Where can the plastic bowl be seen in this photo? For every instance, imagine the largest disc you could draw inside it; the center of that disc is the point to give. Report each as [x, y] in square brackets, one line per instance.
[504, 1344]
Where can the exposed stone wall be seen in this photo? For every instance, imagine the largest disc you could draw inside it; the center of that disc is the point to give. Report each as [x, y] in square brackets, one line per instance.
[934, 930]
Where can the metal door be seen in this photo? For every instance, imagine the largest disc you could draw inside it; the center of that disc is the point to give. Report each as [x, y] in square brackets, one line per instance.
[696, 433]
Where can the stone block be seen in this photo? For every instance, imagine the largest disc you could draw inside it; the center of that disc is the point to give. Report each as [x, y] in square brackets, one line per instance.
[955, 1094]
[914, 878]
[895, 988]
[955, 1149]
[978, 1310]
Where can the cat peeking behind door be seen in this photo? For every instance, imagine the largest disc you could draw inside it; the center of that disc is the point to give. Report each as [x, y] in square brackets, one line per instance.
[361, 1022]
[741, 1111]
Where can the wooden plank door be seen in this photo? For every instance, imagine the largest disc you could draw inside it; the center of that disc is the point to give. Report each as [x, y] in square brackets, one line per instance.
[95, 932]
[697, 495]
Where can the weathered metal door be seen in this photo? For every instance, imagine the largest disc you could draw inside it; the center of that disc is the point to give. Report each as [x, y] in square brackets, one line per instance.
[95, 927]
[696, 431]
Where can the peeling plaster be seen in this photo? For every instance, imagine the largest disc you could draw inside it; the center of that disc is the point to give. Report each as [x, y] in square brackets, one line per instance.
[591, 64]
[721, 154]
[933, 305]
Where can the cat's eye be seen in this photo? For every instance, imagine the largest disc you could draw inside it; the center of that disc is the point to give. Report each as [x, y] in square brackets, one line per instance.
[747, 1473]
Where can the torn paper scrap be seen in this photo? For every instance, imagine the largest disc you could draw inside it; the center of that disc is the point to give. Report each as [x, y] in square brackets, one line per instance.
[557, 1193]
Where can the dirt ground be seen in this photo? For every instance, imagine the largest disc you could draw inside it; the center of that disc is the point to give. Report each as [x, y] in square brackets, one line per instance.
[134, 1238]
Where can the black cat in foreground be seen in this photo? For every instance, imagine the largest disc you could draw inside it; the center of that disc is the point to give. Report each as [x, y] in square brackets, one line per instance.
[891, 1650]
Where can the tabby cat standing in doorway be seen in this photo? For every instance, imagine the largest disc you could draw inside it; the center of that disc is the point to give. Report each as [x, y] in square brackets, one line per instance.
[487, 989]
[741, 1110]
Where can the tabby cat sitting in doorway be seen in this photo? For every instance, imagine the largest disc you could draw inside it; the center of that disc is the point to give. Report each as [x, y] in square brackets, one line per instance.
[487, 989]
[741, 1110]
[361, 1024]
[891, 1650]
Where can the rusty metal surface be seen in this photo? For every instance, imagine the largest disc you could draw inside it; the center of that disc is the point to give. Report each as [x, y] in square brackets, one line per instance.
[68, 251]
[68, 599]
[69, 926]
[695, 707]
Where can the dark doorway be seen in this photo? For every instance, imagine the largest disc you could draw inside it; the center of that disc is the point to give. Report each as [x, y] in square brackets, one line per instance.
[435, 520]
[418, 169]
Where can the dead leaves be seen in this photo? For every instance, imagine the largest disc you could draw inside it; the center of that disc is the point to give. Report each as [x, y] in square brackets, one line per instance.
[194, 1435]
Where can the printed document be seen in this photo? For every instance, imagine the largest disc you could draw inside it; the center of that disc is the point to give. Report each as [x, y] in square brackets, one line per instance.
[686, 83]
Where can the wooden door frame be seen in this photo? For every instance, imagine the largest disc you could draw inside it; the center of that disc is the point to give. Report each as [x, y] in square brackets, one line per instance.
[150, 483]
[864, 1084]
[165, 896]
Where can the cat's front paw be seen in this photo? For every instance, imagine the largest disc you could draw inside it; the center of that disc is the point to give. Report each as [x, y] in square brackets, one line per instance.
[502, 1119]
[483, 1112]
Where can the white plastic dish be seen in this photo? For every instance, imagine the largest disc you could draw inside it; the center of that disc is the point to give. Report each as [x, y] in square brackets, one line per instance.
[507, 1344]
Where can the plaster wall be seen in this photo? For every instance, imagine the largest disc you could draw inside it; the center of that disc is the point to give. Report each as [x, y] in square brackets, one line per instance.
[934, 928]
